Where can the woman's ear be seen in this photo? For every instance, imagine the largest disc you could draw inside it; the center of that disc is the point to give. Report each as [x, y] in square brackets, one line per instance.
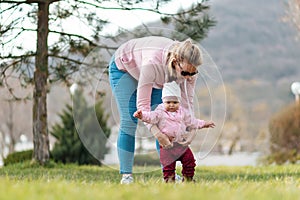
[173, 63]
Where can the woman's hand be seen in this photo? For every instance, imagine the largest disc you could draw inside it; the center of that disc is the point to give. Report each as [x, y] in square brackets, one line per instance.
[190, 137]
[162, 138]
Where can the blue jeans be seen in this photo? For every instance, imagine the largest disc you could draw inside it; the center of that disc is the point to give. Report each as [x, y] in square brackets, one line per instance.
[124, 88]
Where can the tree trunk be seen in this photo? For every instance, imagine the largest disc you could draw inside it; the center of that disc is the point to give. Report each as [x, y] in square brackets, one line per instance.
[10, 125]
[40, 126]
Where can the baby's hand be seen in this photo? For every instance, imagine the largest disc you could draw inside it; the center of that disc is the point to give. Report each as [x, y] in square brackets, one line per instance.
[138, 114]
[209, 124]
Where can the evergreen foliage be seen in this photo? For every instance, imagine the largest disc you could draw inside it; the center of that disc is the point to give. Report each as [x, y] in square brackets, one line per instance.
[76, 134]
[18, 157]
[284, 130]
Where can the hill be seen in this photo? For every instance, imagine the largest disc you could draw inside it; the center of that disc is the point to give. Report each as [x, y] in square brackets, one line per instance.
[251, 42]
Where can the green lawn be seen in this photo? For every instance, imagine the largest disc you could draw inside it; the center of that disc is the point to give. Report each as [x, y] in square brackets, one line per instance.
[23, 181]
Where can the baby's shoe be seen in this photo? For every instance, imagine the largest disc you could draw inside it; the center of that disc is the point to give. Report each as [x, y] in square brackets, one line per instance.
[178, 178]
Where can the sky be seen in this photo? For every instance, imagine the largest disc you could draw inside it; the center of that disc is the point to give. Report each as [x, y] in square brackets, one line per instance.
[118, 18]
[132, 19]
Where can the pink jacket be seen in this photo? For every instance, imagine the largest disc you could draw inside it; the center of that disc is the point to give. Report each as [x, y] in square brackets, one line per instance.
[145, 60]
[173, 124]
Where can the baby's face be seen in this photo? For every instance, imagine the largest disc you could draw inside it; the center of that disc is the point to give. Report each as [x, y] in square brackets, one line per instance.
[171, 106]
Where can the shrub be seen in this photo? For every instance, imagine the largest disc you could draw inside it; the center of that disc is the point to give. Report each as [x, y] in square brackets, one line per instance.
[284, 130]
[18, 157]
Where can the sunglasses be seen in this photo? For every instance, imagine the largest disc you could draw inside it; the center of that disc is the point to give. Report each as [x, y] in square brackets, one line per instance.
[186, 73]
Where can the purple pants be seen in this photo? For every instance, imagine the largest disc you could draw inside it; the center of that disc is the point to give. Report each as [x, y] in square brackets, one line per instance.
[168, 158]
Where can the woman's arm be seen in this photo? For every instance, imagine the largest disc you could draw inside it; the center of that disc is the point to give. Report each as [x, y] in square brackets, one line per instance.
[161, 138]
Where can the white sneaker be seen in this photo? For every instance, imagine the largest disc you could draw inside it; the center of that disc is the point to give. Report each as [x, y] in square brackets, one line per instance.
[178, 178]
[127, 179]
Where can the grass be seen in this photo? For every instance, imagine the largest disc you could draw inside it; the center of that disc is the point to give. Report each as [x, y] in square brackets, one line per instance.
[25, 181]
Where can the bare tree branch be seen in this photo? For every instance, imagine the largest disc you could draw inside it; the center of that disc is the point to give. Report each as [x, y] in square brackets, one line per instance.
[74, 35]
[18, 56]
[154, 10]
[67, 58]
[293, 13]
[28, 1]
[10, 2]
[9, 8]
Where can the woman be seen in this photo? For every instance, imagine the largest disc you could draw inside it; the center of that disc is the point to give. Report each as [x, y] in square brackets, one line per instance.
[137, 72]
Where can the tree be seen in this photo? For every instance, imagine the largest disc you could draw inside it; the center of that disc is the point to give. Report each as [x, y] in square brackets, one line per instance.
[293, 13]
[12, 125]
[284, 130]
[10, 129]
[58, 60]
[69, 147]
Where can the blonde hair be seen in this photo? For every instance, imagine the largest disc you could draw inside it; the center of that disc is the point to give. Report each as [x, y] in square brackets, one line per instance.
[184, 51]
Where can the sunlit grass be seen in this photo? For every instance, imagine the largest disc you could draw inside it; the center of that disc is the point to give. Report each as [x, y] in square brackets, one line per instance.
[24, 181]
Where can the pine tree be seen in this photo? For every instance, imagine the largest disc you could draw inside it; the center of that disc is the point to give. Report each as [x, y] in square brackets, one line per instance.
[78, 137]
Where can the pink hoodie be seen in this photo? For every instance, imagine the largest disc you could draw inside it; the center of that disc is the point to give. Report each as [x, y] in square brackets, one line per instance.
[173, 124]
[145, 60]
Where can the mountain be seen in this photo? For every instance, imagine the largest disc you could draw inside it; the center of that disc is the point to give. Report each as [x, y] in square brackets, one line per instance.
[251, 42]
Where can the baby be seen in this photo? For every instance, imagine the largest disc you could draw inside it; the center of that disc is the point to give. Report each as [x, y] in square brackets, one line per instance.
[173, 120]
